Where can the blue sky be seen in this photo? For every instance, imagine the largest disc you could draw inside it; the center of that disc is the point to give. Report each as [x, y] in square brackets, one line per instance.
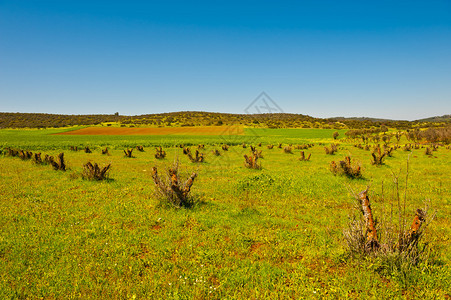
[387, 59]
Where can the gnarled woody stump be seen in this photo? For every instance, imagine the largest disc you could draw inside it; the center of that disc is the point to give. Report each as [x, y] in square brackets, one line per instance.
[173, 190]
[371, 234]
[362, 235]
[410, 238]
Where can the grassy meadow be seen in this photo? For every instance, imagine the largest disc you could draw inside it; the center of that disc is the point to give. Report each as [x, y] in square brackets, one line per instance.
[274, 233]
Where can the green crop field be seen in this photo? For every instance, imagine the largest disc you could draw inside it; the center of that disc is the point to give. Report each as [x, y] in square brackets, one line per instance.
[269, 233]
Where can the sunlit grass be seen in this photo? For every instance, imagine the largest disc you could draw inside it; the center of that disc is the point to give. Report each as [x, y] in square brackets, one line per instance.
[269, 233]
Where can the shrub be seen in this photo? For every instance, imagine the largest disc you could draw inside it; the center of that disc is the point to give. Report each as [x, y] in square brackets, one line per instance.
[407, 147]
[24, 154]
[288, 149]
[128, 152]
[140, 148]
[12, 152]
[270, 146]
[377, 156]
[160, 154]
[37, 158]
[389, 150]
[87, 150]
[251, 162]
[395, 246]
[428, 151]
[303, 158]
[73, 148]
[105, 151]
[94, 172]
[333, 148]
[171, 189]
[59, 164]
[345, 167]
[225, 147]
[216, 152]
[197, 158]
[335, 135]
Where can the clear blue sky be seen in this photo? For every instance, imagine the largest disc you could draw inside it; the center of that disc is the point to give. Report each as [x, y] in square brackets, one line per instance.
[388, 59]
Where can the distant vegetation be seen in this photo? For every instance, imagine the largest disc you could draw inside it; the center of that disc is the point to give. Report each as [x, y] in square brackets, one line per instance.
[182, 119]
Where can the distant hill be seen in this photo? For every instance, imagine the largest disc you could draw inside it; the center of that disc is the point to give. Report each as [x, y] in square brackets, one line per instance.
[366, 119]
[444, 118]
[199, 118]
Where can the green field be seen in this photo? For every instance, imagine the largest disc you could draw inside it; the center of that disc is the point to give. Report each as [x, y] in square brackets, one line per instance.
[274, 233]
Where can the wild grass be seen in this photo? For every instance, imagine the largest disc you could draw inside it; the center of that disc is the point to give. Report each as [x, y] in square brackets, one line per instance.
[262, 234]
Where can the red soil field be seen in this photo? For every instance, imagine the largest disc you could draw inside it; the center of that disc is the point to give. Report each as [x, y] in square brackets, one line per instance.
[201, 130]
